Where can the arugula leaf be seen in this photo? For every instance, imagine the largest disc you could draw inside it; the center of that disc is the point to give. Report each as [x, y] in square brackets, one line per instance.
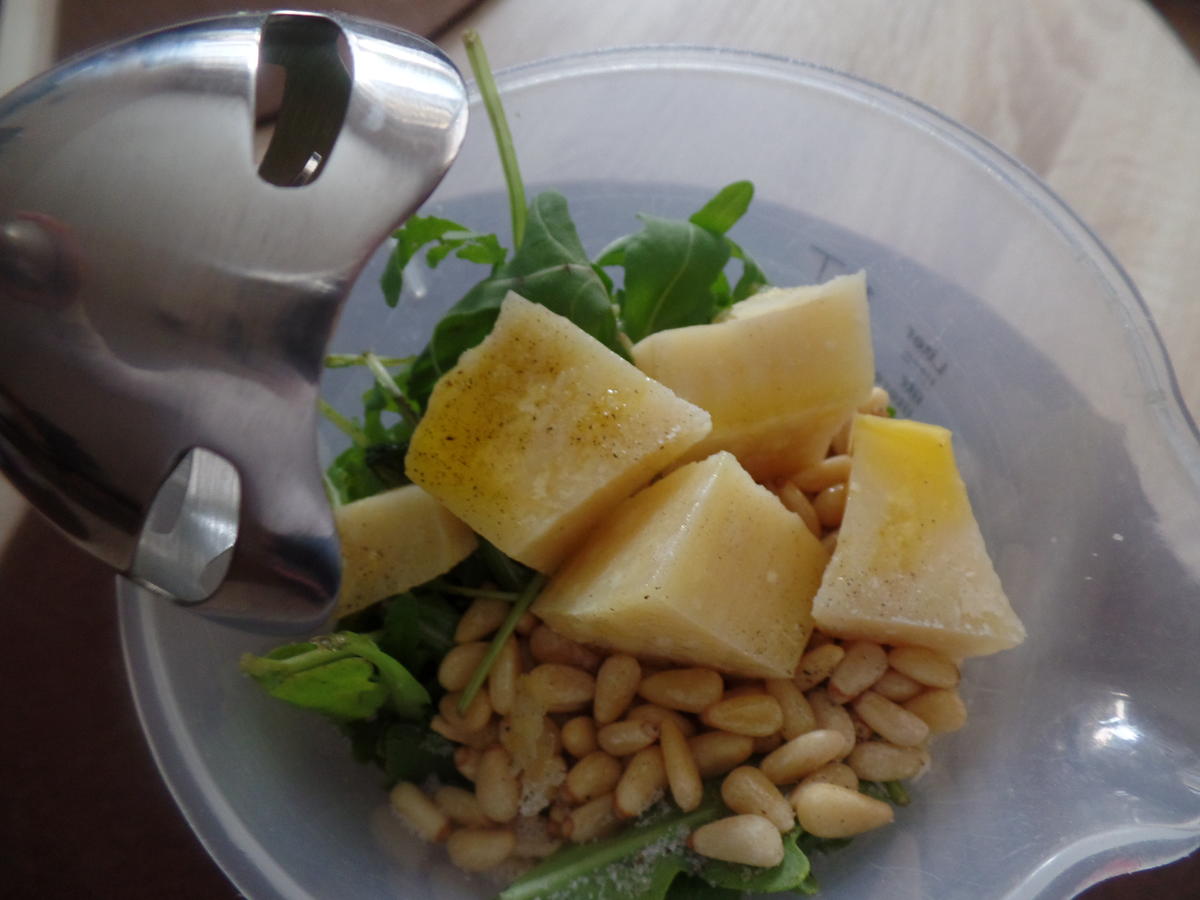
[504, 570]
[418, 630]
[693, 887]
[447, 237]
[789, 875]
[411, 752]
[675, 270]
[670, 268]
[351, 477]
[343, 675]
[342, 689]
[550, 268]
[752, 279]
[722, 212]
[627, 863]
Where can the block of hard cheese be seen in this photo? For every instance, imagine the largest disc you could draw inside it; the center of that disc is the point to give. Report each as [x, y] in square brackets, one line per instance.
[538, 432]
[394, 541]
[704, 567]
[780, 375]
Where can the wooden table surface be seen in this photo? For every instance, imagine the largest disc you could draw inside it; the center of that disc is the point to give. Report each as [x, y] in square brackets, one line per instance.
[1098, 97]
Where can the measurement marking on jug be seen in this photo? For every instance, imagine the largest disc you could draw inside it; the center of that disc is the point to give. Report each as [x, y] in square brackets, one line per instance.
[924, 364]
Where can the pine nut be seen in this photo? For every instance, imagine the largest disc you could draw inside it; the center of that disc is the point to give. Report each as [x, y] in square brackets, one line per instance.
[496, 785]
[841, 440]
[747, 790]
[742, 688]
[466, 760]
[616, 686]
[830, 541]
[890, 721]
[832, 716]
[833, 773]
[862, 731]
[926, 666]
[877, 403]
[819, 639]
[817, 664]
[480, 849]
[641, 783]
[561, 688]
[457, 666]
[548, 646]
[747, 839]
[881, 761]
[941, 709]
[682, 775]
[593, 776]
[529, 737]
[579, 736]
[830, 505]
[419, 812]
[626, 738]
[818, 476]
[502, 679]
[480, 739]
[594, 819]
[716, 752]
[896, 687]
[527, 623]
[798, 716]
[478, 714]
[757, 715]
[688, 690]
[481, 618]
[832, 811]
[861, 667]
[764, 745]
[460, 806]
[794, 499]
[650, 712]
[803, 755]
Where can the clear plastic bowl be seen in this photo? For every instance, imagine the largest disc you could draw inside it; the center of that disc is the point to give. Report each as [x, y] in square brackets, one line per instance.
[996, 313]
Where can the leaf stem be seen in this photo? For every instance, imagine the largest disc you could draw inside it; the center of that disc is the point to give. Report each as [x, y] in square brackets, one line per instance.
[344, 425]
[528, 595]
[484, 593]
[504, 142]
[385, 380]
[346, 360]
[565, 866]
[896, 793]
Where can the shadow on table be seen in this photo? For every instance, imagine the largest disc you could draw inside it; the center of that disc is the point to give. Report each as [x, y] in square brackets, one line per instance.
[84, 811]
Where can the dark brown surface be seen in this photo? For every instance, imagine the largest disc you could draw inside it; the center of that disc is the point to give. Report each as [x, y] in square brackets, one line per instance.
[84, 813]
[87, 23]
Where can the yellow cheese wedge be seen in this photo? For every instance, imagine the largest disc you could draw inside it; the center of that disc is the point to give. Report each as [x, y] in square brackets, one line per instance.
[704, 567]
[394, 541]
[538, 432]
[910, 565]
[780, 375]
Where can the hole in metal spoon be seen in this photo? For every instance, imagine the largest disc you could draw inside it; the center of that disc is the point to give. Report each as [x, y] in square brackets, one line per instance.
[301, 93]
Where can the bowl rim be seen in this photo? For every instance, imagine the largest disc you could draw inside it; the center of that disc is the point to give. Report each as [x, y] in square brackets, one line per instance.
[213, 820]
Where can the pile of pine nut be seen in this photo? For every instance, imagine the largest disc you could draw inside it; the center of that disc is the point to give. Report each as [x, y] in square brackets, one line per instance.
[567, 743]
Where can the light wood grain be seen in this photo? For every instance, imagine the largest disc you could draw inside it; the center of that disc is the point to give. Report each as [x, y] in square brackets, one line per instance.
[1098, 97]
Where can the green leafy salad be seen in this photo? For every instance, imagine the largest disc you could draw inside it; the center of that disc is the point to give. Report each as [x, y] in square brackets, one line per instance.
[376, 677]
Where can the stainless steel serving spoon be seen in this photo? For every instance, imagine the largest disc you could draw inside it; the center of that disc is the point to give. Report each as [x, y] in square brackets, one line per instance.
[181, 217]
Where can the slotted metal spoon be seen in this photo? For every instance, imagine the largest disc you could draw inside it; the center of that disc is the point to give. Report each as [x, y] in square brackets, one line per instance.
[181, 218]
